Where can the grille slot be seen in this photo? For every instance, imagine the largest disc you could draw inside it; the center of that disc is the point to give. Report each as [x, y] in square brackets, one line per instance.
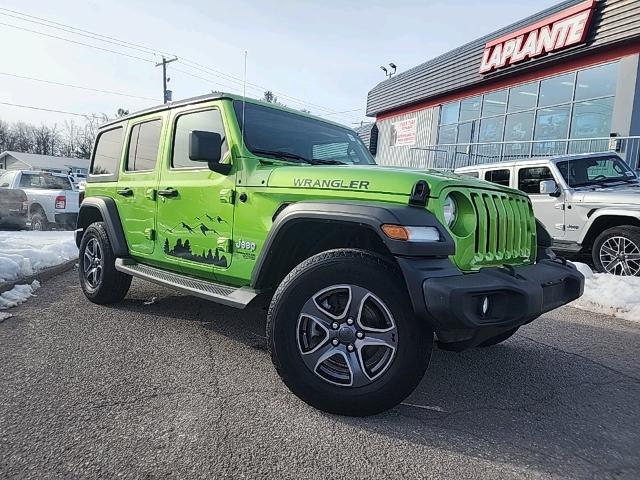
[505, 228]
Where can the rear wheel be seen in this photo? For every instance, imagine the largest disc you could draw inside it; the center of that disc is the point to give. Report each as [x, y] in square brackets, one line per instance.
[100, 281]
[342, 334]
[39, 222]
[617, 251]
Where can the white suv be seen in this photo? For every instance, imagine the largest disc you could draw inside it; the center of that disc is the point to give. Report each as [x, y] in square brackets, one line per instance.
[588, 203]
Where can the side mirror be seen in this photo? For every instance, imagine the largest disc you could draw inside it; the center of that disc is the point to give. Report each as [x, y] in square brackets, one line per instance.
[549, 187]
[207, 147]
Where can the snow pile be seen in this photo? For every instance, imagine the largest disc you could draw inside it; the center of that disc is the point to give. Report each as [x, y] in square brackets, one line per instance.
[26, 253]
[609, 294]
[17, 295]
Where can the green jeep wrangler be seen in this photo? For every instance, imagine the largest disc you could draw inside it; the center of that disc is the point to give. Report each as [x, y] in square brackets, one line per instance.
[228, 199]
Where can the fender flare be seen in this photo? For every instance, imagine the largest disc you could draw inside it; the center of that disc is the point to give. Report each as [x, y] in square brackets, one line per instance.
[607, 212]
[368, 215]
[108, 210]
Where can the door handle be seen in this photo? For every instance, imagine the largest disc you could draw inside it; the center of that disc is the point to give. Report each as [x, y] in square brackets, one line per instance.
[169, 192]
[125, 192]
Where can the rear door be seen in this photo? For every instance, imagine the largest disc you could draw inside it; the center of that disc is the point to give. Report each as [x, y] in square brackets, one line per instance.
[137, 184]
[195, 205]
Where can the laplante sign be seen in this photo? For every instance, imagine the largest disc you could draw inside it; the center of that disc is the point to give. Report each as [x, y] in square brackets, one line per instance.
[564, 29]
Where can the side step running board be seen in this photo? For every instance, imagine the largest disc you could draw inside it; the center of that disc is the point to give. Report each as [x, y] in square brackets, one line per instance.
[231, 296]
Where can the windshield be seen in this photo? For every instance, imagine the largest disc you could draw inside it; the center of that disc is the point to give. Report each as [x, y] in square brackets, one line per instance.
[595, 171]
[295, 138]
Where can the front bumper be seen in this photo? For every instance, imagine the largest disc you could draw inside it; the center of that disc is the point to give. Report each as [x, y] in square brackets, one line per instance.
[452, 302]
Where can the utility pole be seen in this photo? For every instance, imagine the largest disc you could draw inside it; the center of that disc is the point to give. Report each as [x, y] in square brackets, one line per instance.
[166, 94]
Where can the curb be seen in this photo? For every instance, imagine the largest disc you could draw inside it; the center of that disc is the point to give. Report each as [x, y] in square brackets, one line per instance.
[41, 276]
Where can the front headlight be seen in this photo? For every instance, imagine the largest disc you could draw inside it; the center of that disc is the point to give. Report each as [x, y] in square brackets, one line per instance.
[449, 210]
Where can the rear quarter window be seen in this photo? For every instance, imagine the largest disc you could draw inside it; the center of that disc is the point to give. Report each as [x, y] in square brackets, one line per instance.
[501, 177]
[108, 152]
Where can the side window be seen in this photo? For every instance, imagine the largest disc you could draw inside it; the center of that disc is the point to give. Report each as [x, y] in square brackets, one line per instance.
[143, 145]
[206, 120]
[501, 177]
[529, 178]
[107, 153]
[29, 180]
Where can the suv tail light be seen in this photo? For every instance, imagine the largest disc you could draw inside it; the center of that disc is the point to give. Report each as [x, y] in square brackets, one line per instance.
[25, 206]
[80, 198]
[61, 202]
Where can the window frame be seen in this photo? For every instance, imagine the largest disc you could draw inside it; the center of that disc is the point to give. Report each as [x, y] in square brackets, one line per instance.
[106, 177]
[174, 124]
[130, 128]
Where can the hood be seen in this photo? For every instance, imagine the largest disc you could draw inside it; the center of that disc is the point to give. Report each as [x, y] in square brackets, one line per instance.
[371, 179]
[619, 195]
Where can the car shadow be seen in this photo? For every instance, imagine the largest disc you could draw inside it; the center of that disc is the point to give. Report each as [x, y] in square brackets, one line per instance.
[524, 403]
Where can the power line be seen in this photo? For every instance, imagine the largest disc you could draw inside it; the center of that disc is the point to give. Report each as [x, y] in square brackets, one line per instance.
[54, 111]
[144, 49]
[77, 43]
[80, 87]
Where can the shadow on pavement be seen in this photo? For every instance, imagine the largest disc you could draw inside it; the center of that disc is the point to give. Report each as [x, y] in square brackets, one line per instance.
[524, 403]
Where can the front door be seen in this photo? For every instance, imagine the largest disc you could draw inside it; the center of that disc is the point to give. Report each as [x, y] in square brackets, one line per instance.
[548, 209]
[135, 192]
[195, 205]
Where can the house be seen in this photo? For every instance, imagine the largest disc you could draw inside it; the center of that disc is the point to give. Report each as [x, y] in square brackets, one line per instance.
[32, 161]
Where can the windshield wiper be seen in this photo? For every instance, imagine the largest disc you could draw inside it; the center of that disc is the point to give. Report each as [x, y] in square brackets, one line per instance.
[284, 155]
[328, 162]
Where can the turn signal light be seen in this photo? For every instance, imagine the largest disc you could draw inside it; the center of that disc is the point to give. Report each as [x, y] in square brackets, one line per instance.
[396, 232]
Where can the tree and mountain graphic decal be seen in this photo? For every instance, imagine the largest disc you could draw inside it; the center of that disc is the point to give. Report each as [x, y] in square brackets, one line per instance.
[194, 230]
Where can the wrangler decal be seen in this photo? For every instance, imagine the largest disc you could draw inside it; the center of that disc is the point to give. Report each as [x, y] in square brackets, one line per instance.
[328, 183]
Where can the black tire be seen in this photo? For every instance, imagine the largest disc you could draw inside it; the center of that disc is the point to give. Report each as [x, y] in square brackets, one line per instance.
[39, 222]
[627, 260]
[110, 286]
[357, 271]
[490, 342]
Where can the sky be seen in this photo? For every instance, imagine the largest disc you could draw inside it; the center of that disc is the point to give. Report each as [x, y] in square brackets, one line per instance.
[320, 55]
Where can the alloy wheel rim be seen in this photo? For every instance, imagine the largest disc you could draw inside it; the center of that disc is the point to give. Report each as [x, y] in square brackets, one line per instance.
[92, 264]
[620, 256]
[347, 336]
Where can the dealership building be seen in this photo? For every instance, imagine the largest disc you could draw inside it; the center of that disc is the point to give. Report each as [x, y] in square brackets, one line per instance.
[565, 80]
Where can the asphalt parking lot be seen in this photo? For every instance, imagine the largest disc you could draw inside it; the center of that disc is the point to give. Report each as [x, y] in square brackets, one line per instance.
[183, 388]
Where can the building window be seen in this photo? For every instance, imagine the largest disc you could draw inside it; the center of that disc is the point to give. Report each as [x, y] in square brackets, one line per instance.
[597, 82]
[501, 177]
[491, 129]
[556, 90]
[470, 109]
[555, 113]
[552, 123]
[447, 134]
[592, 118]
[529, 178]
[523, 97]
[449, 113]
[494, 103]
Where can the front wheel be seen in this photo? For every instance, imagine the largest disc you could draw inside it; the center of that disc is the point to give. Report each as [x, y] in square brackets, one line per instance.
[342, 334]
[100, 281]
[617, 251]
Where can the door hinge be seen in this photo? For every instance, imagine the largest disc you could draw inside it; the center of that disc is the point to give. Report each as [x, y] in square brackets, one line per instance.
[227, 195]
[150, 233]
[224, 245]
[559, 226]
[150, 193]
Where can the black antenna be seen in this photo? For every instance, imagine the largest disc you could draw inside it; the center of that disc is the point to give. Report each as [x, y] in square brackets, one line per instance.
[244, 97]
